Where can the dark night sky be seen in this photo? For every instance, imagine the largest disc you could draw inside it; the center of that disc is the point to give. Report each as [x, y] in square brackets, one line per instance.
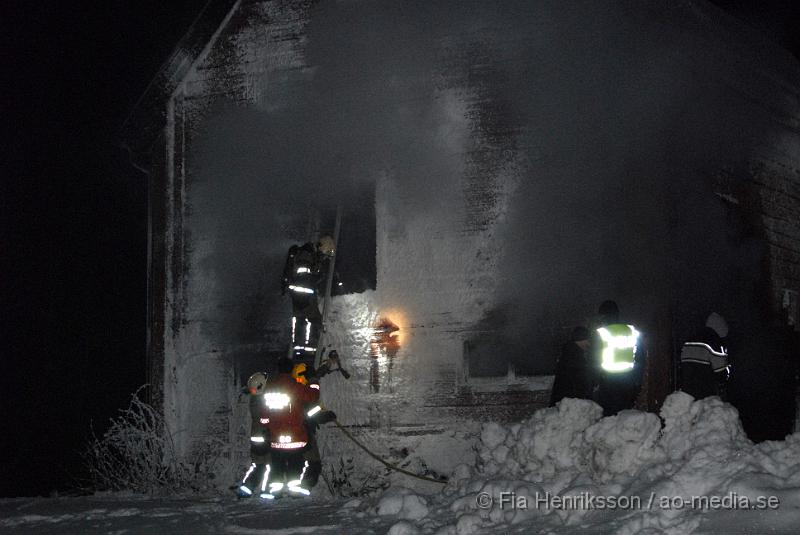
[74, 223]
[73, 214]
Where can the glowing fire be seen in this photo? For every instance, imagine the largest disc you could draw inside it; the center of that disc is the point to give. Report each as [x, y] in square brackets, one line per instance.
[386, 337]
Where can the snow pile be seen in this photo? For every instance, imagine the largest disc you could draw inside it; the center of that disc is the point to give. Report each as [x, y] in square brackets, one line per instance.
[568, 440]
[536, 447]
[622, 445]
[404, 503]
[622, 474]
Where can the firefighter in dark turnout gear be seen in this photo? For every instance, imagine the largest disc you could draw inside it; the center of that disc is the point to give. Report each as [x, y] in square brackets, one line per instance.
[303, 277]
[704, 364]
[315, 415]
[618, 361]
[260, 450]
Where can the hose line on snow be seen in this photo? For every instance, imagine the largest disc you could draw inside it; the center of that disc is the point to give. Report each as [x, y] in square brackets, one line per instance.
[384, 463]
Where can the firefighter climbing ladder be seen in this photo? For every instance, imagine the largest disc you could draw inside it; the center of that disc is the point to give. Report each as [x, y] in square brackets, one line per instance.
[313, 229]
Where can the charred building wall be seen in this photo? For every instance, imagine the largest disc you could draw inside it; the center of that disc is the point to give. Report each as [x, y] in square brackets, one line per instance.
[525, 161]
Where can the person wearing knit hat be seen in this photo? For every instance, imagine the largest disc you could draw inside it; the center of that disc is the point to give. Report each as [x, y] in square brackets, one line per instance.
[718, 324]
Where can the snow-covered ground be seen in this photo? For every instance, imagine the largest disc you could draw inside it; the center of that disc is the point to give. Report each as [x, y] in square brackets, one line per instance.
[127, 514]
[563, 470]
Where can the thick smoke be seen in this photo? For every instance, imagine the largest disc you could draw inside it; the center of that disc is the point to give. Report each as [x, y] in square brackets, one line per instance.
[600, 112]
[623, 140]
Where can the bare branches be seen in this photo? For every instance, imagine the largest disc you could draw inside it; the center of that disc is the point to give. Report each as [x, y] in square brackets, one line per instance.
[137, 453]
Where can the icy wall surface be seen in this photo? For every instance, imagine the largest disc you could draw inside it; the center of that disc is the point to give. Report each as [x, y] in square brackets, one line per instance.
[529, 160]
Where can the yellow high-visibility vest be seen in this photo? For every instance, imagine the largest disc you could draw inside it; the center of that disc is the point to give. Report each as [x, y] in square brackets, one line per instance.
[618, 351]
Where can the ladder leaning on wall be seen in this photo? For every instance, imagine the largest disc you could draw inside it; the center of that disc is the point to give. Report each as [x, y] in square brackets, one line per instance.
[328, 286]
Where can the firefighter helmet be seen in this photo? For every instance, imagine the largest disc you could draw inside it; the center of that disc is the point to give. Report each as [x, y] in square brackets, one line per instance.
[299, 373]
[326, 245]
[256, 383]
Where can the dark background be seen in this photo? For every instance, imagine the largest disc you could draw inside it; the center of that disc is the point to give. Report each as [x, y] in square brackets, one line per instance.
[74, 227]
[73, 231]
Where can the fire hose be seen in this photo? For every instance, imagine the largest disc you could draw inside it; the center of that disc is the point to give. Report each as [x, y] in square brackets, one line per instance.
[349, 435]
[384, 463]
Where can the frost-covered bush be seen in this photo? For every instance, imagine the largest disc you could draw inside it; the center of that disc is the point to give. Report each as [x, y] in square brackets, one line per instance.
[137, 453]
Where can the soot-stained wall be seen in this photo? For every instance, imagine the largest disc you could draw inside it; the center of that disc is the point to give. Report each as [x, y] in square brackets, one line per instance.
[528, 160]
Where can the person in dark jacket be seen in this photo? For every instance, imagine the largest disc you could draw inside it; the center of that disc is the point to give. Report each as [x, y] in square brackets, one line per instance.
[762, 386]
[315, 415]
[260, 450]
[573, 377]
[704, 363]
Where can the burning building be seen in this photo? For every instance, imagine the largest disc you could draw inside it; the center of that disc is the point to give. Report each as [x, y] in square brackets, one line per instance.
[502, 168]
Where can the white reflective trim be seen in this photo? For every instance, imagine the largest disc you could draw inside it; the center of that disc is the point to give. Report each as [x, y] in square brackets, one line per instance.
[294, 325]
[264, 420]
[315, 386]
[275, 487]
[257, 439]
[721, 353]
[308, 331]
[721, 366]
[276, 400]
[288, 445]
[611, 366]
[265, 478]
[294, 485]
[266, 496]
[303, 473]
[249, 471]
[245, 490]
[314, 411]
[301, 289]
[620, 342]
[697, 361]
[303, 270]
